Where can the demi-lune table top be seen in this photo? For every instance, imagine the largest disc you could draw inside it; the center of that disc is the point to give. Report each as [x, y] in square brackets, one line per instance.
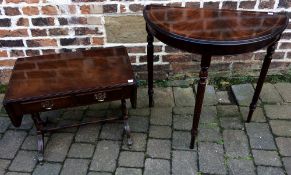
[69, 73]
[213, 28]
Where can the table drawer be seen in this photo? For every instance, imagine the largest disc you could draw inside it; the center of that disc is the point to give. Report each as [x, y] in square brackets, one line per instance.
[48, 104]
[102, 96]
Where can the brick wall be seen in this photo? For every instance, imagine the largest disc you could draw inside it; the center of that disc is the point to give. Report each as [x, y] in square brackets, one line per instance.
[36, 27]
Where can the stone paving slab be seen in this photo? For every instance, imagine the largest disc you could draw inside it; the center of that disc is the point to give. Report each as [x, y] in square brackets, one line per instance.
[243, 93]
[281, 127]
[211, 158]
[241, 167]
[184, 96]
[260, 136]
[105, 156]
[184, 163]
[161, 137]
[284, 90]
[258, 115]
[269, 94]
[210, 97]
[278, 111]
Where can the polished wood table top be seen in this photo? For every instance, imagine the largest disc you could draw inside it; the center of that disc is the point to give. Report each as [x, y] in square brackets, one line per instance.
[192, 28]
[67, 73]
[212, 32]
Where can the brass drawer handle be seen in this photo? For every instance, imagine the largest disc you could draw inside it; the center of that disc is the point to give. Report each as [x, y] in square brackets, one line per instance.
[48, 105]
[100, 96]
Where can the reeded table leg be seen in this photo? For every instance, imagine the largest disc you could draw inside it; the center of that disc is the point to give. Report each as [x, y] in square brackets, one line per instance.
[40, 136]
[150, 58]
[203, 75]
[264, 70]
[126, 125]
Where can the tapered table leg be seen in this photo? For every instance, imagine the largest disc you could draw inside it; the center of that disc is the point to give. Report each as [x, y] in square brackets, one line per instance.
[203, 75]
[150, 58]
[126, 125]
[263, 73]
[40, 135]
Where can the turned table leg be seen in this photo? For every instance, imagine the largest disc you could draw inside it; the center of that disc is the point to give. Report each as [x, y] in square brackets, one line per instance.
[40, 135]
[150, 58]
[126, 125]
[263, 73]
[203, 75]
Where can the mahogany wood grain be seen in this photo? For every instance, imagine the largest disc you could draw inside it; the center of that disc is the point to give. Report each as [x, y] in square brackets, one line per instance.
[68, 79]
[211, 32]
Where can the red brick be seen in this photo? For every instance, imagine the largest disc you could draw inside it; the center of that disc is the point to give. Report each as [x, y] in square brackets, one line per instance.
[77, 20]
[7, 62]
[86, 31]
[267, 4]
[31, 1]
[16, 53]
[13, 1]
[122, 8]
[285, 46]
[12, 11]
[11, 43]
[32, 52]
[170, 49]
[98, 41]
[48, 51]
[144, 58]
[38, 32]
[284, 4]
[110, 8]
[247, 4]
[132, 59]
[72, 9]
[178, 58]
[43, 21]
[229, 5]
[49, 10]
[85, 9]
[286, 36]
[58, 31]
[214, 5]
[41, 42]
[3, 53]
[74, 41]
[174, 4]
[136, 7]
[6, 22]
[158, 48]
[22, 22]
[13, 33]
[242, 57]
[193, 4]
[138, 49]
[29, 10]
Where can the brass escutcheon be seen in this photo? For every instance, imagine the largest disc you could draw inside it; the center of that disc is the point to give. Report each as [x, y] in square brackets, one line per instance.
[100, 96]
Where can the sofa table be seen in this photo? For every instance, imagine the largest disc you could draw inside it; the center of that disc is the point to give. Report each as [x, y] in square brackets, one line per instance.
[50, 82]
[212, 32]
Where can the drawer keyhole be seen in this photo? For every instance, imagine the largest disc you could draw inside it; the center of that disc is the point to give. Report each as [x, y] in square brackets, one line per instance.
[48, 105]
[100, 96]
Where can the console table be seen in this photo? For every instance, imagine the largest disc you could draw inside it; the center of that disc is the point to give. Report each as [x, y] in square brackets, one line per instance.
[50, 82]
[212, 32]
